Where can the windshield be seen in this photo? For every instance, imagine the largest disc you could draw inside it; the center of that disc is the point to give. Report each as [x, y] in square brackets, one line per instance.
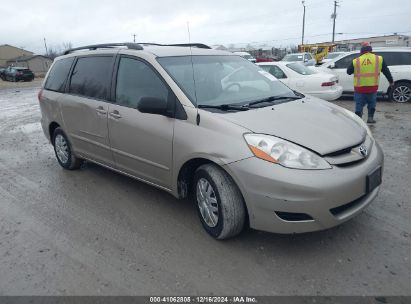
[333, 55]
[300, 68]
[293, 57]
[218, 80]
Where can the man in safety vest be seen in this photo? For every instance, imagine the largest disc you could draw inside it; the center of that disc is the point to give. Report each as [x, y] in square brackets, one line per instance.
[366, 70]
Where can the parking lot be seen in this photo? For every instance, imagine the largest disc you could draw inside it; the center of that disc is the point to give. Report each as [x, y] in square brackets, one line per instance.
[93, 231]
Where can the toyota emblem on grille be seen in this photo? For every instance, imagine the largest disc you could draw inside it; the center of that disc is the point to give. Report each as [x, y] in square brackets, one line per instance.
[363, 150]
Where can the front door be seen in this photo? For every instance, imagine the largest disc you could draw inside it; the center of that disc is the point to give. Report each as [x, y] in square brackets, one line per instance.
[141, 143]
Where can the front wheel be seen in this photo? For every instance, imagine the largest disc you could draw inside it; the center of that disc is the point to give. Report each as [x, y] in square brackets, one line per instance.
[62, 149]
[220, 204]
[401, 92]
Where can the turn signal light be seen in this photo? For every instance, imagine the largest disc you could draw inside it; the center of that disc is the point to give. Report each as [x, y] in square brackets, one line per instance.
[328, 84]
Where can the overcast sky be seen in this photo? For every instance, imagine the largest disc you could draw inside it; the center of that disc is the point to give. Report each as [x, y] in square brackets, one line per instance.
[25, 23]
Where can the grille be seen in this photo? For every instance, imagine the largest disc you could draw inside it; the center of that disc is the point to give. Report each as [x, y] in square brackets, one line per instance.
[341, 209]
[293, 217]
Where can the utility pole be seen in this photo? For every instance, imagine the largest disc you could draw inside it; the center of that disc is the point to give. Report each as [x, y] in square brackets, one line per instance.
[302, 38]
[134, 37]
[334, 16]
[45, 45]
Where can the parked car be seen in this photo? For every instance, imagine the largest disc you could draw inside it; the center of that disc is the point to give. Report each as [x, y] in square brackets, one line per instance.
[303, 79]
[246, 56]
[264, 59]
[18, 74]
[2, 70]
[398, 61]
[209, 123]
[331, 56]
[306, 58]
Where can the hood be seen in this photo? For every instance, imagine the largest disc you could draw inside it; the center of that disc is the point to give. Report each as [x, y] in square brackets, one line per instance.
[310, 122]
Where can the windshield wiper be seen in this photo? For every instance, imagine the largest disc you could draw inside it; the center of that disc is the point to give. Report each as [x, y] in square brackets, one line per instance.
[271, 99]
[224, 107]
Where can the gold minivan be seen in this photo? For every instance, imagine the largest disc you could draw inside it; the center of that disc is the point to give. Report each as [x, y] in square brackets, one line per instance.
[195, 121]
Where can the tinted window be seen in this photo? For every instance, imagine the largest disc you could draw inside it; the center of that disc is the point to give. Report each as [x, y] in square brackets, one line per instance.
[343, 63]
[275, 71]
[91, 76]
[396, 58]
[135, 80]
[58, 75]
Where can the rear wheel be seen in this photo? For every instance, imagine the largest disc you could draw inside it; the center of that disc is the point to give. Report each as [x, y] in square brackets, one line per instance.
[62, 149]
[220, 204]
[401, 92]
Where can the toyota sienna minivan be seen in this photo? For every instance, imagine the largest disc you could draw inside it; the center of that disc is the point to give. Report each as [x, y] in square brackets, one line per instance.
[213, 126]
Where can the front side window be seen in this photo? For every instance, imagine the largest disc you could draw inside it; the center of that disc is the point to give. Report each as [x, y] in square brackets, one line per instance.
[90, 77]
[217, 80]
[135, 80]
[343, 63]
[58, 75]
[300, 68]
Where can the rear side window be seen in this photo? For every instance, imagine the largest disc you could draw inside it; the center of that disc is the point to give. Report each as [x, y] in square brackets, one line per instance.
[396, 58]
[58, 75]
[135, 80]
[275, 71]
[90, 77]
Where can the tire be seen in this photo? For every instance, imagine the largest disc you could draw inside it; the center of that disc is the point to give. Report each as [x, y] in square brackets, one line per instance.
[63, 151]
[401, 92]
[225, 202]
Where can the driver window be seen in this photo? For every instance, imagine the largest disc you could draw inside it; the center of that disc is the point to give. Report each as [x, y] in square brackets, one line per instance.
[343, 63]
[135, 80]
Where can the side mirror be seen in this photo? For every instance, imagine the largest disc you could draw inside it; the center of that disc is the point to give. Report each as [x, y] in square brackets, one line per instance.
[153, 105]
[305, 60]
[331, 66]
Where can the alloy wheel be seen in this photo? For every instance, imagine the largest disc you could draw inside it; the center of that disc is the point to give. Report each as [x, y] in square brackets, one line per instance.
[62, 149]
[402, 94]
[207, 202]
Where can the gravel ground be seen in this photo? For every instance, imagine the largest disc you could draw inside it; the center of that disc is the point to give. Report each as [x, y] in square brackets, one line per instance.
[95, 232]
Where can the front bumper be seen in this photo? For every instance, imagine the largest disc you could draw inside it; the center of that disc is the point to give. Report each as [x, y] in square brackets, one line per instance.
[268, 188]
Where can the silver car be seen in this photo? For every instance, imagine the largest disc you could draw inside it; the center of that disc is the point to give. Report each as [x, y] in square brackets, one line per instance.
[211, 125]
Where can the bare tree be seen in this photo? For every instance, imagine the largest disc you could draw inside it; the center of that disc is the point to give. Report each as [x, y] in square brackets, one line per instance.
[58, 50]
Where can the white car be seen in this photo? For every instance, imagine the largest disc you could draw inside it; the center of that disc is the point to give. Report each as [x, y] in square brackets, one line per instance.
[303, 79]
[332, 56]
[398, 61]
[246, 56]
[306, 58]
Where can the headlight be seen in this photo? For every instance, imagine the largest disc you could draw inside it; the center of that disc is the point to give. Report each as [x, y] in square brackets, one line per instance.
[359, 120]
[280, 151]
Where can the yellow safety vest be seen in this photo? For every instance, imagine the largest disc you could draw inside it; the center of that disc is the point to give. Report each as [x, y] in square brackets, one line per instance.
[367, 69]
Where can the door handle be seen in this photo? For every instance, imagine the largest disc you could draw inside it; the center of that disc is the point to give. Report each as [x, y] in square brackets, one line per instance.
[115, 114]
[101, 110]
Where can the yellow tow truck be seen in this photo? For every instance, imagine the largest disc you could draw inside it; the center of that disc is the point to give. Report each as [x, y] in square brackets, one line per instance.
[318, 50]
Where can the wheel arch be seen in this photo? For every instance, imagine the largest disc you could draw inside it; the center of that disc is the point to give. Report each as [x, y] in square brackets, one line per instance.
[52, 127]
[396, 82]
[185, 179]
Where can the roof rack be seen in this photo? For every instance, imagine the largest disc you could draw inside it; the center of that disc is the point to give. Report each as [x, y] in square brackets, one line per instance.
[197, 45]
[133, 46]
[129, 45]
